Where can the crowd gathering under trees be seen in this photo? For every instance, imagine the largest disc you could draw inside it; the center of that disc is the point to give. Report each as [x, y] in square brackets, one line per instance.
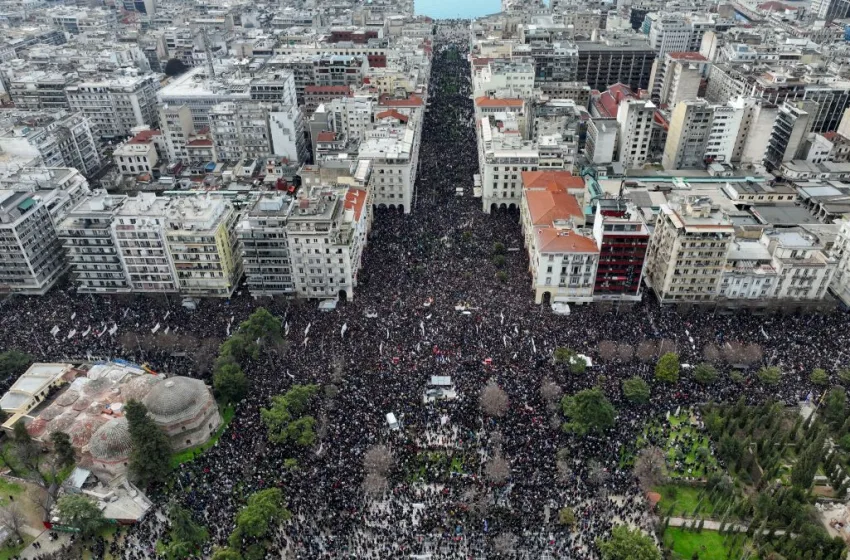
[536, 458]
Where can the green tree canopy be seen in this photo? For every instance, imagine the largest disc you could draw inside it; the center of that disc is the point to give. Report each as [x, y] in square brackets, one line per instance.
[819, 377]
[834, 406]
[769, 375]
[263, 326]
[226, 554]
[63, 449]
[150, 448]
[14, 362]
[285, 420]
[705, 374]
[230, 382]
[186, 535]
[571, 359]
[628, 544]
[566, 516]
[636, 390]
[78, 511]
[667, 368]
[588, 411]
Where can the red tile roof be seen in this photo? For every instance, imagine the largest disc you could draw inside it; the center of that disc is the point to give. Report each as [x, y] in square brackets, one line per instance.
[144, 137]
[345, 90]
[392, 113]
[490, 102]
[355, 200]
[682, 55]
[199, 142]
[776, 6]
[326, 136]
[552, 240]
[545, 207]
[609, 100]
[551, 180]
[411, 101]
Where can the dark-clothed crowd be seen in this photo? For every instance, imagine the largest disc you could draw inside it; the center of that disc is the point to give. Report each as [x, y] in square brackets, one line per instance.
[429, 301]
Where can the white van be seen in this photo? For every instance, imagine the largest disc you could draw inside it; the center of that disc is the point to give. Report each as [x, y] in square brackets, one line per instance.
[391, 421]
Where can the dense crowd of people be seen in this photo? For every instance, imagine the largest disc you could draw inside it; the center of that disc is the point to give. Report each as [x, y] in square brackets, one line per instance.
[429, 302]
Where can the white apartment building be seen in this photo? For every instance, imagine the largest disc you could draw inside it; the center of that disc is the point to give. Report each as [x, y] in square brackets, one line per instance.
[601, 144]
[139, 232]
[176, 125]
[137, 155]
[39, 89]
[394, 153]
[749, 273]
[90, 246]
[32, 259]
[352, 116]
[634, 117]
[688, 251]
[805, 271]
[503, 155]
[115, 106]
[724, 133]
[327, 233]
[841, 252]
[756, 128]
[62, 139]
[504, 78]
[687, 135]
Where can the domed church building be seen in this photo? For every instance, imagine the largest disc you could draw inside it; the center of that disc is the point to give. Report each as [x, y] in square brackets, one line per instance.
[184, 409]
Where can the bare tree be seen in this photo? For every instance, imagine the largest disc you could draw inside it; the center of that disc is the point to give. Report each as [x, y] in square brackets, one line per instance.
[378, 459]
[597, 474]
[493, 400]
[607, 350]
[374, 484]
[711, 353]
[752, 354]
[647, 351]
[13, 517]
[562, 462]
[625, 352]
[504, 543]
[551, 393]
[497, 470]
[733, 352]
[666, 345]
[650, 467]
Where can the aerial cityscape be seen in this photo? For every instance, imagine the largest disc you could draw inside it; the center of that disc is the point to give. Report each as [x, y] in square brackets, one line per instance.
[423, 280]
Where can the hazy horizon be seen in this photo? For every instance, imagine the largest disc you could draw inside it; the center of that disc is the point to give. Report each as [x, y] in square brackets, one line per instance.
[445, 9]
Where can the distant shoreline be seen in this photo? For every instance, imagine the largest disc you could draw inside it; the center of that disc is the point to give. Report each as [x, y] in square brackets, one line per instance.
[444, 9]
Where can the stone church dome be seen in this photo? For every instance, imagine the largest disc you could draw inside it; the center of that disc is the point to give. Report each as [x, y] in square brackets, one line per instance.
[111, 441]
[176, 399]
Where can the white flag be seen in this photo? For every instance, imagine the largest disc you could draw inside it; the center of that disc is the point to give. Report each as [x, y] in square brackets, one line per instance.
[307, 330]
[156, 328]
[342, 331]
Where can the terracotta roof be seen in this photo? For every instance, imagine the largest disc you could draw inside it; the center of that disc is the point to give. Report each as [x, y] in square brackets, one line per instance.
[551, 180]
[412, 101]
[199, 142]
[682, 55]
[552, 240]
[546, 206]
[392, 113]
[144, 137]
[328, 89]
[608, 101]
[326, 136]
[354, 200]
[489, 102]
[776, 6]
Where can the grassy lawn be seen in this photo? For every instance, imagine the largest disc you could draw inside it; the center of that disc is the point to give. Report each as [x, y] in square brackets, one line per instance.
[685, 499]
[680, 441]
[9, 488]
[708, 544]
[188, 455]
[8, 552]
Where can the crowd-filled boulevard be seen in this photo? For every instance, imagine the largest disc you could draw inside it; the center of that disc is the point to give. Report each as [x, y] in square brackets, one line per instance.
[375, 355]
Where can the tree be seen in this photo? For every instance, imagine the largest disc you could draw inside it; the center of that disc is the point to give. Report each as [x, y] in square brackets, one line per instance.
[150, 448]
[499, 260]
[285, 419]
[63, 449]
[819, 377]
[493, 400]
[646, 351]
[186, 536]
[174, 67]
[262, 326]
[226, 554]
[78, 511]
[705, 374]
[650, 467]
[13, 517]
[378, 459]
[588, 411]
[769, 375]
[499, 248]
[14, 362]
[625, 352]
[636, 390]
[566, 516]
[711, 353]
[230, 383]
[571, 358]
[550, 392]
[844, 376]
[607, 350]
[255, 520]
[667, 368]
[835, 405]
[497, 470]
[628, 544]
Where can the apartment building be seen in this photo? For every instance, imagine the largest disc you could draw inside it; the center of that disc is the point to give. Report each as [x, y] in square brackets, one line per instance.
[176, 126]
[677, 76]
[339, 70]
[615, 59]
[114, 106]
[327, 233]
[62, 139]
[90, 247]
[32, 259]
[42, 89]
[623, 240]
[137, 155]
[790, 128]
[504, 78]
[264, 246]
[138, 228]
[634, 117]
[805, 270]
[503, 156]
[394, 153]
[688, 251]
[687, 136]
